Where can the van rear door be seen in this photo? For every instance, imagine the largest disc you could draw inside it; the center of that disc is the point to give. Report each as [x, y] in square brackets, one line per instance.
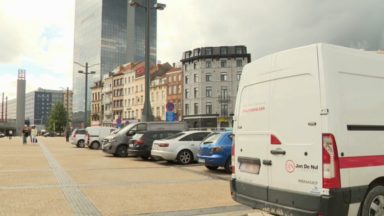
[279, 126]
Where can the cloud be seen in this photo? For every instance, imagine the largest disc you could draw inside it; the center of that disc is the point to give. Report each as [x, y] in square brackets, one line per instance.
[268, 26]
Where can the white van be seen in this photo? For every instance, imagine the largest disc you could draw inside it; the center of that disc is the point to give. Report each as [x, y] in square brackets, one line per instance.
[309, 133]
[96, 135]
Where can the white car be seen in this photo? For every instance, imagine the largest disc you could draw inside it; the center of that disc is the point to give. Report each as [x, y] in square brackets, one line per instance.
[182, 147]
[78, 137]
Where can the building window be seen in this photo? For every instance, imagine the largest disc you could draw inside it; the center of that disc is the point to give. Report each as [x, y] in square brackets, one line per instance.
[223, 76]
[185, 67]
[238, 76]
[239, 63]
[223, 63]
[224, 109]
[179, 89]
[194, 65]
[174, 89]
[194, 77]
[186, 79]
[208, 91]
[195, 91]
[208, 64]
[239, 50]
[208, 51]
[208, 77]
[186, 109]
[223, 50]
[196, 108]
[208, 108]
[186, 93]
[179, 77]
[224, 93]
[170, 90]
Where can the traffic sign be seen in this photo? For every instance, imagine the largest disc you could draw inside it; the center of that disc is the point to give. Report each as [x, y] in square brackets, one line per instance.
[170, 106]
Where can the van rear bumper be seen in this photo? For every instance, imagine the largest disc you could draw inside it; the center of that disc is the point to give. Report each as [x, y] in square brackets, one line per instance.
[289, 203]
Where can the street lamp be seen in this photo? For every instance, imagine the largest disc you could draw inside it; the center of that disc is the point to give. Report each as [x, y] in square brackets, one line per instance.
[86, 87]
[147, 111]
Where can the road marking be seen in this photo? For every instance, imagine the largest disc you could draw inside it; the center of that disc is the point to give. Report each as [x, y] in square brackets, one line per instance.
[77, 200]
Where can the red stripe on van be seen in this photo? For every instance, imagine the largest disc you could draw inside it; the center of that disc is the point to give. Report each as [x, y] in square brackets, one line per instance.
[361, 161]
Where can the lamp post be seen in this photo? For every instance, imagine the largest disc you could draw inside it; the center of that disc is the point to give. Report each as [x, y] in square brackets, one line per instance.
[147, 111]
[86, 87]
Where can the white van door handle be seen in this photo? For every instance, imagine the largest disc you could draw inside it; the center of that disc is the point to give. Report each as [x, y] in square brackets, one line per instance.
[278, 152]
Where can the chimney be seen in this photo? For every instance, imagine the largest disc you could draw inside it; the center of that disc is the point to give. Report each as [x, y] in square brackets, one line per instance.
[173, 64]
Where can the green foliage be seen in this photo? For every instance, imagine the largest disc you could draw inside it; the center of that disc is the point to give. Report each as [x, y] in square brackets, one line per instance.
[58, 118]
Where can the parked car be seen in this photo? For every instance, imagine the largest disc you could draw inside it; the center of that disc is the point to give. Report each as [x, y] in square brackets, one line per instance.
[181, 147]
[2, 134]
[118, 143]
[215, 151]
[141, 143]
[96, 135]
[49, 134]
[78, 137]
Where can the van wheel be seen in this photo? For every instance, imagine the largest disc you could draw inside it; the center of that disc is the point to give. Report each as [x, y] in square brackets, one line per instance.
[80, 144]
[95, 145]
[184, 157]
[374, 202]
[211, 167]
[122, 151]
[228, 166]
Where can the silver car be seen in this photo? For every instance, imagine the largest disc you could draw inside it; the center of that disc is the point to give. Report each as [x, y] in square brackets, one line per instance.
[181, 147]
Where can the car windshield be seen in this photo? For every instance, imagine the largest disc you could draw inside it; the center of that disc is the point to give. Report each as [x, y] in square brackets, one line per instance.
[212, 138]
[174, 136]
[126, 129]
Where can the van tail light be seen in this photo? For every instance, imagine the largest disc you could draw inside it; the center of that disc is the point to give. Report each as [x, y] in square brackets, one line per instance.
[163, 144]
[275, 140]
[74, 136]
[233, 154]
[139, 142]
[331, 165]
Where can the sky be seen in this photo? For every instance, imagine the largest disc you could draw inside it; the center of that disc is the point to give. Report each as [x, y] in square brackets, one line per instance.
[38, 35]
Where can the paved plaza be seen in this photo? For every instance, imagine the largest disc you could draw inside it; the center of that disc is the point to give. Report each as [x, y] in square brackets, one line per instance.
[55, 178]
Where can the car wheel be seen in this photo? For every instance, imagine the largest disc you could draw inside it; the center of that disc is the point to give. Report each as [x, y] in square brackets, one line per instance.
[95, 145]
[374, 202]
[184, 157]
[145, 157]
[212, 167]
[228, 166]
[122, 151]
[81, 144]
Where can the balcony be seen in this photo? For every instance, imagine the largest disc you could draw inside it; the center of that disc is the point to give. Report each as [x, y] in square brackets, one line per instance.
[107, 89]
[224, 99]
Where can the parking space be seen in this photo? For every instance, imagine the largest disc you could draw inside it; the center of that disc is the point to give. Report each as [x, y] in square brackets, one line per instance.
[84, 181]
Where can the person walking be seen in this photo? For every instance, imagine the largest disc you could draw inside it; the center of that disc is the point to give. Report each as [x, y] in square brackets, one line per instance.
[25, 132]
[10, 133]
[34, 134]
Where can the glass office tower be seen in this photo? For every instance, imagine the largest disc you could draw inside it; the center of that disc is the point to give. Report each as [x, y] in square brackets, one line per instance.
[108, 34]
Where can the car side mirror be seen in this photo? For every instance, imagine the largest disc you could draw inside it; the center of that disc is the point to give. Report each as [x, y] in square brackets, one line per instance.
[131, 133]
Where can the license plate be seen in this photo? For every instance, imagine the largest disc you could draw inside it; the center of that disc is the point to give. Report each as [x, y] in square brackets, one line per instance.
[249, 168]
[130, 145]
[201, 160]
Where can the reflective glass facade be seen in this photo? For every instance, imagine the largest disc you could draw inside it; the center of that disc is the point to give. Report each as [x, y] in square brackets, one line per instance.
[108, 34]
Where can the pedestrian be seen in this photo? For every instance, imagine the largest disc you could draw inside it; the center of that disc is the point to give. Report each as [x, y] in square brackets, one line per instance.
[25, 131]
[10, 133]
[34, 134]
[29, 133]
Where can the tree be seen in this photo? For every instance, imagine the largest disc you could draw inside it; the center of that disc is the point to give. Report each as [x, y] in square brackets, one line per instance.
[58, 118]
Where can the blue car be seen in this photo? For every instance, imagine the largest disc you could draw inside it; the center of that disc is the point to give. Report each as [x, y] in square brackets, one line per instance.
[215, 151]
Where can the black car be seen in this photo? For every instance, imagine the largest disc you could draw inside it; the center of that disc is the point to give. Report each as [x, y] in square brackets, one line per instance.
[141, 143]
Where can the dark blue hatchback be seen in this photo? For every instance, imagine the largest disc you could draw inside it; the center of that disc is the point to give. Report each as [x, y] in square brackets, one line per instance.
[215, 151]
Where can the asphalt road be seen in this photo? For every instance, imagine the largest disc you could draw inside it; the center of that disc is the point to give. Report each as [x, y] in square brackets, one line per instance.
[56, 178]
